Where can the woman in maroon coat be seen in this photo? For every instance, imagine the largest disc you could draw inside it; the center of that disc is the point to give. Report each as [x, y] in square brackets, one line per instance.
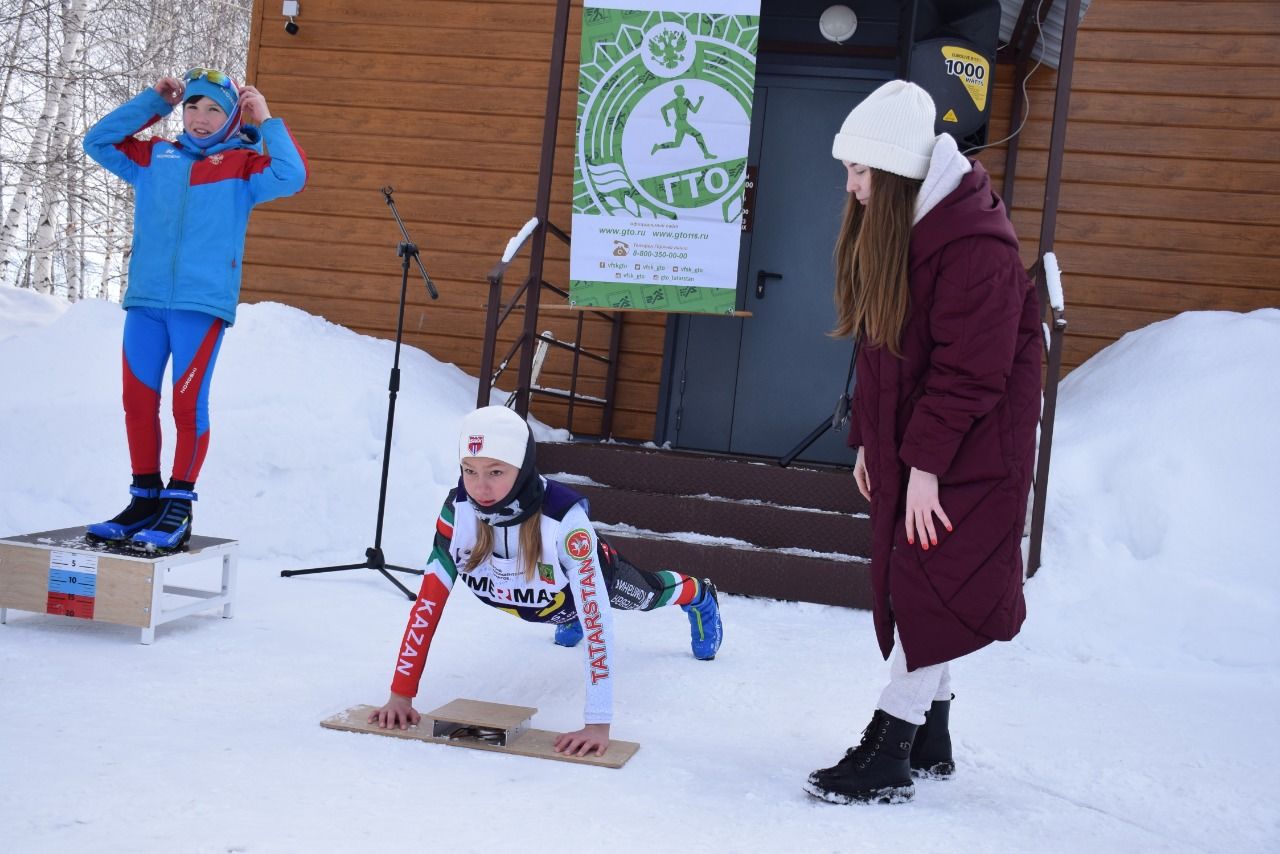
[944, 419]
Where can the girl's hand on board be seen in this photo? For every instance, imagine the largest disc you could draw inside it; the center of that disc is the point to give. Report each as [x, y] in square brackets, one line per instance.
[398, 711]
[584, 741]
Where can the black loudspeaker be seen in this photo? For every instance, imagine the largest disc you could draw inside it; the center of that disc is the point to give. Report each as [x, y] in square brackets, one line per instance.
[952, 57]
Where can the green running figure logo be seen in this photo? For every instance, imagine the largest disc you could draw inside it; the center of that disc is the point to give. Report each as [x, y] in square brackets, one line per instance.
[664, 112]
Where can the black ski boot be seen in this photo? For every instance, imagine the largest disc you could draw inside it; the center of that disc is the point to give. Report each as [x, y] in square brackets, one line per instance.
[144, 507]
[931, 751]
[172, 528]
[876, 771]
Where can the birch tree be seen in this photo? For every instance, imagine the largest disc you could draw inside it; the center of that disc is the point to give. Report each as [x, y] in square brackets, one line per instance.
[56, 152]
[53, 120]
[65, 223]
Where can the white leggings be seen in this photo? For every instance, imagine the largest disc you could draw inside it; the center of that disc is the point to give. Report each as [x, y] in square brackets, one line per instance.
[909, 694]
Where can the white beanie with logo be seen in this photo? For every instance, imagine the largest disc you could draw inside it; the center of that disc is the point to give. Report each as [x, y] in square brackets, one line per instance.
[891, 130]
[495, 432]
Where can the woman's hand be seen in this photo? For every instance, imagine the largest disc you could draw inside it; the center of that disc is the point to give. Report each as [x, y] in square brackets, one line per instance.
[581, 743]
[253, 106]
[398, 711]
[171, 89]
[860, 475]
[922, 506]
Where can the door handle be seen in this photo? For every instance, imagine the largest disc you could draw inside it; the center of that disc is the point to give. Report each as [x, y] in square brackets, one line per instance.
[761, 277]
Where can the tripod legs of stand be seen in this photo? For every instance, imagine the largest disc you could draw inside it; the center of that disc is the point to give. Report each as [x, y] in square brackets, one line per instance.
[373, 560]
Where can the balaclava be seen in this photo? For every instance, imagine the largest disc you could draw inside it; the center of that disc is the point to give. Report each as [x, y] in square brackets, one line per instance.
[498, 433]
[225, 96]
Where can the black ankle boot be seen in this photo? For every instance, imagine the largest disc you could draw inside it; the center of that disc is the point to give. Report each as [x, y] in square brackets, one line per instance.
[144, 507]
[876, 771]
[931, 751]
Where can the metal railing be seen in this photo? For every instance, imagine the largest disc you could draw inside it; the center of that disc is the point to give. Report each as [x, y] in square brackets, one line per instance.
[528, 296]
[529, 340]
[1055, 325]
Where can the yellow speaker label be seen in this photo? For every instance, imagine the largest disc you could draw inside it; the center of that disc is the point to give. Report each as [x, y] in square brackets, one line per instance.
[950, 117]
[972, 69]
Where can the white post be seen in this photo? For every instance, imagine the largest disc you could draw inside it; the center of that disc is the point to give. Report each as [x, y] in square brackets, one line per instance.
[158, 570]
[229, 561]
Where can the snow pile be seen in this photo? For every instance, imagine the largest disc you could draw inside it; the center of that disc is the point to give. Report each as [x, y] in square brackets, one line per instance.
[298, 420]
[1134, 713]
[1163, 494]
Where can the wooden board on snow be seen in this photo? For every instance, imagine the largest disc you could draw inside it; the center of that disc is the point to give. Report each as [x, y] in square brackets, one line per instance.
[482, 725]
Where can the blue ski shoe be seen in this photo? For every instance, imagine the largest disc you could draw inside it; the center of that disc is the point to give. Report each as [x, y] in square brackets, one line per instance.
[568, 634]
[706, 631]
[142, 512]
[172, 528]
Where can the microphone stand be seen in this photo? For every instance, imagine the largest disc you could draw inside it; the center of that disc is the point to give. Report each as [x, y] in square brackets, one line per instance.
[836, 421]
[373, 556]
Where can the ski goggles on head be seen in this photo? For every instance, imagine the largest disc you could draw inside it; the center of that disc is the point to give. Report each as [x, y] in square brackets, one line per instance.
[213, 75]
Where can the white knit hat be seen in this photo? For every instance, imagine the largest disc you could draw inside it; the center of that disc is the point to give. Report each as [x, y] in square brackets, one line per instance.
[495, 432]
[891, 130]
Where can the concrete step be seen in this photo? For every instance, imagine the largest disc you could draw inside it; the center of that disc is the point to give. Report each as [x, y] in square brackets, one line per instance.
[754, 522]
[672, 472]
[745, 570]
[753, 527]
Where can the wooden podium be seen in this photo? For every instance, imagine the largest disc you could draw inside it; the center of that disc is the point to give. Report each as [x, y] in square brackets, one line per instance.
[59, 572]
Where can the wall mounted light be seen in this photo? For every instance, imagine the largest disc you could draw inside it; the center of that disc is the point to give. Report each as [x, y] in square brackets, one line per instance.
[290, 12]
[837, 24]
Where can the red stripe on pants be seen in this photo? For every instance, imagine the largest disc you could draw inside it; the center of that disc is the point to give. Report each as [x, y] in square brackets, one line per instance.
[141, 422]
[192, 447]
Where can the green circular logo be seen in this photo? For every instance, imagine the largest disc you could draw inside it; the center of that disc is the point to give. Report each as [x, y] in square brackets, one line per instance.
[662, 107]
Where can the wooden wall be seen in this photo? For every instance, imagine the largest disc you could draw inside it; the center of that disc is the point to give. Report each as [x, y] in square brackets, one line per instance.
[443, 100]
[1170, 197]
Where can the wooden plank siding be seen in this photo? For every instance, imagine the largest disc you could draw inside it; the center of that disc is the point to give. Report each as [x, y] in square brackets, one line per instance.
[1170, 198]
[443, 101]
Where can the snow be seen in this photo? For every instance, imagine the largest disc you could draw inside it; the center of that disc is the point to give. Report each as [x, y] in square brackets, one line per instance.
[1135, 712]
[1053, 281]
[514, 244]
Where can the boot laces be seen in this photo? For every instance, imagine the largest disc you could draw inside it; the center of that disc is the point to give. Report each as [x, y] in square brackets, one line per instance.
[866, 749]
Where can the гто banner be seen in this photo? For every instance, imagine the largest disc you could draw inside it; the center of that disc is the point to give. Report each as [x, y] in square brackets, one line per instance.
[664, 120]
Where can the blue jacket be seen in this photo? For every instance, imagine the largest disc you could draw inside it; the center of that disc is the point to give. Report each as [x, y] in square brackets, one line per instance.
[191, 208]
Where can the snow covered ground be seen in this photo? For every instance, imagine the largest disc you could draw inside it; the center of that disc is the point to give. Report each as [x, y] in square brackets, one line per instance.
[1136, 712]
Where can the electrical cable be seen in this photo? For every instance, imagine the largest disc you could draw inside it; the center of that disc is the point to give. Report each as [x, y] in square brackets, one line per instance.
[1027, 101]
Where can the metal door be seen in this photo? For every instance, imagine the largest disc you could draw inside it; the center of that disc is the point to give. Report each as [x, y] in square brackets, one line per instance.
[758, 385]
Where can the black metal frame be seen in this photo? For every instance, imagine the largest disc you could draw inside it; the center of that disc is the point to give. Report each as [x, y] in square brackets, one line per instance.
[1019, 50]
[531, 290]
[1021, 44]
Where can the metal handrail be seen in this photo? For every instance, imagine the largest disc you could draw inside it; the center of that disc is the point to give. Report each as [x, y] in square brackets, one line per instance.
[496, 315]
[1057, 327]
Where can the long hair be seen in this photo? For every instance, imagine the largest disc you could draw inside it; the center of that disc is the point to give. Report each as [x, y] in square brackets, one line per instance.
[871, 294]
[530, 545]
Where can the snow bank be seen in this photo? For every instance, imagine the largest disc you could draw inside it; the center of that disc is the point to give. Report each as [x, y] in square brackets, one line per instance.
[1159, 547]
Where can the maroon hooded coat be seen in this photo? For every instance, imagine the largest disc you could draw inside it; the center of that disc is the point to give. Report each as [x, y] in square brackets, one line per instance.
[963, 403]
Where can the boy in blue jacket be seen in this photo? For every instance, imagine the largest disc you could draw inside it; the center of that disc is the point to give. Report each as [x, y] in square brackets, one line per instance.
[192, 198]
